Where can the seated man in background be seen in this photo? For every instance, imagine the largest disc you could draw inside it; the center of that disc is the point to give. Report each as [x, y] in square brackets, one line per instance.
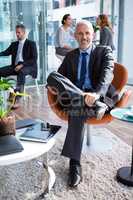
[85, 77]
[24, 58]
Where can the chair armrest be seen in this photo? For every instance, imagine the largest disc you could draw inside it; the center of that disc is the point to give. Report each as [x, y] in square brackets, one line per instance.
[124, 99]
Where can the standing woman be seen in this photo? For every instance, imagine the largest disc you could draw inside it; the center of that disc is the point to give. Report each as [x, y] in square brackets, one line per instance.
[64, 36]
[106, 31]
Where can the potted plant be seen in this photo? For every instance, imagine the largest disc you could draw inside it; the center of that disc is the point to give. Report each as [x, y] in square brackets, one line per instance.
[7, 119]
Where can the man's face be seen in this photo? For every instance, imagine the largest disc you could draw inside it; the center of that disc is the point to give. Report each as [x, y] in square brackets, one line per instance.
[20, 33]
[84, 36]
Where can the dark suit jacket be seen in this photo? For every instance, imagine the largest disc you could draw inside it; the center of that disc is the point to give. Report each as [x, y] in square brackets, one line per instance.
[101, 67]
[29, 55]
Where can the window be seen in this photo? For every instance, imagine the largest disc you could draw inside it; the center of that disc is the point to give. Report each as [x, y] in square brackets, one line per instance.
[32, 15]
[55, 4]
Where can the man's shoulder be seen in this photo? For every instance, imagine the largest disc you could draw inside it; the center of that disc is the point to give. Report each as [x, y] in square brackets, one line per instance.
[14, 43]
[27, 41]
[30, 41]
[99, 46]
[102, 48]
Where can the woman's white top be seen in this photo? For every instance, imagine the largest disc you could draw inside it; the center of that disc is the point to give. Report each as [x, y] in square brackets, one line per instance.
[64, 37]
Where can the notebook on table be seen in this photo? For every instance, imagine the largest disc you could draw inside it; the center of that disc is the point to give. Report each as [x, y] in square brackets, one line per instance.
[39, 132]
[25, 123]
[9, 144]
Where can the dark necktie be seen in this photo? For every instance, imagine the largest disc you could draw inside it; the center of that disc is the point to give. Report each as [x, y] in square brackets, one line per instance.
[83, 69]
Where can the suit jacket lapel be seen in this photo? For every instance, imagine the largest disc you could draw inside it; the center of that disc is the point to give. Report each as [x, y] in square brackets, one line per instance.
[25, 47]
[16, 48]
[75, 64]
[91, 61]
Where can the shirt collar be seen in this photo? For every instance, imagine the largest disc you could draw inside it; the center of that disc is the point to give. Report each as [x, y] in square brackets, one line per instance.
[88, 50]
[22, 41]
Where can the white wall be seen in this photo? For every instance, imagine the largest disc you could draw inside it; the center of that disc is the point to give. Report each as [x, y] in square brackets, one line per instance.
[127, 58]
[77, 12]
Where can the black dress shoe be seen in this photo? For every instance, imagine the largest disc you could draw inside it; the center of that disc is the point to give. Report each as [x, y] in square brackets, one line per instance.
[75, 175]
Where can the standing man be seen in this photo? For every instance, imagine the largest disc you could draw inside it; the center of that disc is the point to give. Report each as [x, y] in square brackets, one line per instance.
[84, 76]
[24, 58]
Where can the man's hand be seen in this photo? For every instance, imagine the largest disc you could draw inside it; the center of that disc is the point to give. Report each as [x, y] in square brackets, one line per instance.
[18, 67]
[90, 98]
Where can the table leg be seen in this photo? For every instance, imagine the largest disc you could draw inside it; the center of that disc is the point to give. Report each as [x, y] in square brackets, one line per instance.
[52, 177]
[125, 174]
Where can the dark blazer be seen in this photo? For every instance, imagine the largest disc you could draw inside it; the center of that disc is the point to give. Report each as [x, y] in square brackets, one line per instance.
[106, 37]
[101, 67]
[29, 55]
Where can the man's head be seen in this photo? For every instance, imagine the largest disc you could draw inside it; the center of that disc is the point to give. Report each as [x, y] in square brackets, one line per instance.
[20, 32]
[84, 34]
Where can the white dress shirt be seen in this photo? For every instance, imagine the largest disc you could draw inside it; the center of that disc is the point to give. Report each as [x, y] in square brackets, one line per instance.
[19, 56]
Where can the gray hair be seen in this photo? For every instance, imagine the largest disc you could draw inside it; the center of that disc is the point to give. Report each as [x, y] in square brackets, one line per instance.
[84, 22]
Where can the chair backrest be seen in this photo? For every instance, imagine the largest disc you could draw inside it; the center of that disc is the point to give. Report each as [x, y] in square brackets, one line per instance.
[120, 76]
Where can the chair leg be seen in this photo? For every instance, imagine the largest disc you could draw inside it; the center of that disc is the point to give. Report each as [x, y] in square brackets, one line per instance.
[88, 135]
[96, 140]
[37, 87]
[24, 92]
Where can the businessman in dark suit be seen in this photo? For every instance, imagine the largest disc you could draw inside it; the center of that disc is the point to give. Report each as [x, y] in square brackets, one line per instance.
[24, 58]
[85, 76]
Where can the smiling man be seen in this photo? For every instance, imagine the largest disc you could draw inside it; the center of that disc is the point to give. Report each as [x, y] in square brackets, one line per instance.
[84, 77]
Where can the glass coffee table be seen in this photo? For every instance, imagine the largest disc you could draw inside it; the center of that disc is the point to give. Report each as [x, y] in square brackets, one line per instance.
[125, 174]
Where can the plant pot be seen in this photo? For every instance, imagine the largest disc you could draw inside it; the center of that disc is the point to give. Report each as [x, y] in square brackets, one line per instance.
[7, 125]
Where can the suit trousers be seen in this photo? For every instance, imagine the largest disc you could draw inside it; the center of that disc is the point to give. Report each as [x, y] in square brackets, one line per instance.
[9, 70]
[72, 101]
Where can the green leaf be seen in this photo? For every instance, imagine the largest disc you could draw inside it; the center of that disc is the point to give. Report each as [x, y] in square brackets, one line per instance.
[22, 94]
[5, 84]
[3, 113]
[96, 28]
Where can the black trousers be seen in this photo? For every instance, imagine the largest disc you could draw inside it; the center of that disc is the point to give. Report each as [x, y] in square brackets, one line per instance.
[71, 99]
[9, 70]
